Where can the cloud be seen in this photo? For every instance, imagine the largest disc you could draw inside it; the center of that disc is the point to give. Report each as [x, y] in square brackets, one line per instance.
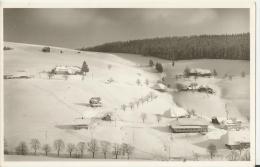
[201, 16]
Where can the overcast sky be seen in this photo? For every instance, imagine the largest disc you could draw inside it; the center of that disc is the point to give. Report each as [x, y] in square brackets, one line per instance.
[74, 28]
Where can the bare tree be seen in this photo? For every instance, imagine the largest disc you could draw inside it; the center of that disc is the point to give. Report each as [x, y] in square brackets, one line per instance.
[158, 117]
[70, 148]
[22, 148]
[46, 148]
[131, 105]
[212, 149]
[105, 148]
[93, 147]
[81, 146]
[35, 145]
[59, 146]
[233, 155]
[147, 82]
[138, 82]
[246, 155]
[215, 73]
[116, 150]
[127, 149]
[143, 116]
[142, 100]
[50, 75]
[137, 102]
[196, 156]
[123, 107]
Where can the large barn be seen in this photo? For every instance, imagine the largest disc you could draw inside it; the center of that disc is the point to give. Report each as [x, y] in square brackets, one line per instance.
[72, 70]
[200, 72]
[234, 139]
[189, 125]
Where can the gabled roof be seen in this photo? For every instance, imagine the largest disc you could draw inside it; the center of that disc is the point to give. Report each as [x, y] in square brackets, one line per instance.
[189, 122]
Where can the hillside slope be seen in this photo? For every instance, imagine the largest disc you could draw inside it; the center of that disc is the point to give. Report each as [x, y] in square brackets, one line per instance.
[40, 107]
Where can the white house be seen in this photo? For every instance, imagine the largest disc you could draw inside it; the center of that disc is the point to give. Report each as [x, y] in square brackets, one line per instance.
[200, 72]
[72, 70]
[235, 139]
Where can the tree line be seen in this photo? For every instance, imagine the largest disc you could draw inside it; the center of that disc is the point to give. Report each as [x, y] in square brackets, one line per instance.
[234, 46]
[73, 150]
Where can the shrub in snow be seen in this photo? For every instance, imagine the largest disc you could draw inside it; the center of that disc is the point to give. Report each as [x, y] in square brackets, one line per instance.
[159, 67]
[7, 48]
[151, 64]
[46, 49]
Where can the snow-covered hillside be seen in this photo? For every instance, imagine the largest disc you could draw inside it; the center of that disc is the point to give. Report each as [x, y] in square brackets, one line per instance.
[37, 107]
[45, 108]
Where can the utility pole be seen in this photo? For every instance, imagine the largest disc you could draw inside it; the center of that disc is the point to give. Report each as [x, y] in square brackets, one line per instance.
[227, 112]
[46, 136]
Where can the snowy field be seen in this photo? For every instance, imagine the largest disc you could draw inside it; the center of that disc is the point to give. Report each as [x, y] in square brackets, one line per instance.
[39, 107]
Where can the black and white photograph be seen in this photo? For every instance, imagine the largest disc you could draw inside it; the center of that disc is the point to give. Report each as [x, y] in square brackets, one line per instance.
[127, 84]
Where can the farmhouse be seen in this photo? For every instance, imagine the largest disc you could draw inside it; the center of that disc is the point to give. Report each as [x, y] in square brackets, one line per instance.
[95, 102]
[176, 112]
[199, 72]
[189, 125]
[71, 70]
[18, 75]
[231, 124]
[237, 139]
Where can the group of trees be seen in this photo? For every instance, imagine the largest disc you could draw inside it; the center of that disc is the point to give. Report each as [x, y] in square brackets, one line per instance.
[93, 147]
[142, 100]
[234, 46]
[7, 48]
[137, 103]
[158, 66]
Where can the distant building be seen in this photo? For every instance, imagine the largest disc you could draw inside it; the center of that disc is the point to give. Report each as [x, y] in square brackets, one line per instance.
[18, 75]
[71, 70]
[237, 139]
[199, 72]
[95, 102]
[176, 112]
[107, 117]
[231, 124]
[189, 125]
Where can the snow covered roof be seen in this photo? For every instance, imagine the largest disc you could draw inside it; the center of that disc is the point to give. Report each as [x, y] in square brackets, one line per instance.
[175, 112]
[200, 71]
[159, 86]
[189, 122]
[67, 67]
[235, 137]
